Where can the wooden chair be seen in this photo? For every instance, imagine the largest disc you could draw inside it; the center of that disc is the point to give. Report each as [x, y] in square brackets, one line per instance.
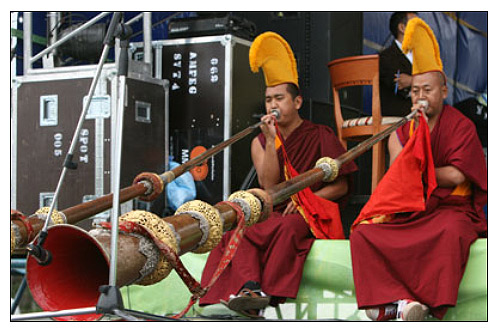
[359, 71]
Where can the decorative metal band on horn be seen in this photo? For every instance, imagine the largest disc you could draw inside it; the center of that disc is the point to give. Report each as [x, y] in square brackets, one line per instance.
[265, 200]
[209, 214]
[56, 216]
[15, 234]
[168, 176]
[147, 248]
[162, 231]
[154, 183]
[250, 205]
[204, 227]
[12, 239]
[330, 167]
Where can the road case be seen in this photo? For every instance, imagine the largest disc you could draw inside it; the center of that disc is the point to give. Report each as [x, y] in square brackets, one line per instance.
[213, 95]
[46, 106]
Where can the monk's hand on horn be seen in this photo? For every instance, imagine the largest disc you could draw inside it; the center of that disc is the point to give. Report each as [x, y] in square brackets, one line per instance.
[420, 109]
[290, 208]
[267, 127]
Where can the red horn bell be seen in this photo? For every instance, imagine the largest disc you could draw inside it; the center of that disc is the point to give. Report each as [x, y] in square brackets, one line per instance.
[71, 280]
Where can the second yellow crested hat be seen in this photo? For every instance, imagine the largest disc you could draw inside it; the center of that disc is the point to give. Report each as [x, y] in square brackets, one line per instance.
[272, 53]
[421, 40]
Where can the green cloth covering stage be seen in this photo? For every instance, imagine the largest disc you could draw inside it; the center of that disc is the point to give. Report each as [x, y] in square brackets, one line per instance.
[326, 291]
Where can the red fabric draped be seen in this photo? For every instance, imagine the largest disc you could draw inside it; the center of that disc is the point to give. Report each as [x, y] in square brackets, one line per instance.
[402, 189]
[322, 215]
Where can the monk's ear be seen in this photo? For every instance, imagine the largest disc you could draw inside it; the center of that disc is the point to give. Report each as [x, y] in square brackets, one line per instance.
[442, 81]
[298, 102]
[444, 91]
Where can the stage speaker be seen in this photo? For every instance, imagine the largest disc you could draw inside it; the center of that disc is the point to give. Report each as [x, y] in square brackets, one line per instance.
[45, 111]
[213, 95]
[316, 39]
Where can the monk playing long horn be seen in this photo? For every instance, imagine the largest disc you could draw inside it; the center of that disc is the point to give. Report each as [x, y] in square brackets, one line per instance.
[267, 268]
[411, 242]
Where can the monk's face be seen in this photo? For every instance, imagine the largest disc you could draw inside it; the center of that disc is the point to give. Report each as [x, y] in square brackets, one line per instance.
[429, 87]
[278, 97]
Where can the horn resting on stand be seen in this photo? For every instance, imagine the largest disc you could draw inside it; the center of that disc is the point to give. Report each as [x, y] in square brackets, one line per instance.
[80, 263]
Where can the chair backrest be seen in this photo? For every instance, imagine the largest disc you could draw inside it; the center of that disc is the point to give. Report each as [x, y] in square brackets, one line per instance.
[356, 71]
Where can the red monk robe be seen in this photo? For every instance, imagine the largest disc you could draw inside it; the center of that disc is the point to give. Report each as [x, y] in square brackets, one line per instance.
[273, 252]
[422, 255]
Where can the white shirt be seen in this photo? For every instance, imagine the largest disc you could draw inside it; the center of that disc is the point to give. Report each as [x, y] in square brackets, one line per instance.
[408, 55]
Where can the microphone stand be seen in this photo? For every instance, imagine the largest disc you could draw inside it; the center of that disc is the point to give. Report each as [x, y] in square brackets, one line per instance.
[110, 300]
[43, 256]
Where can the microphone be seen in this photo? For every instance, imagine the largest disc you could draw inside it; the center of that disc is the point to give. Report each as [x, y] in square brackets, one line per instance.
[276, 113]
[41, 255]
[423, 105]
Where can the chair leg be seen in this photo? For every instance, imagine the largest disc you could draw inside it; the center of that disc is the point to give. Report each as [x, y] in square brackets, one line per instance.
[378, 163]
[343, 142]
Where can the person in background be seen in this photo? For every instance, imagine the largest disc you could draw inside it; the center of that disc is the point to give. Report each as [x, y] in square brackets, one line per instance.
[395, 70]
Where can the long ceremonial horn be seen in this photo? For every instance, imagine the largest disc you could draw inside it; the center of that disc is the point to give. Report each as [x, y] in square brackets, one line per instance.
[80, 263]
[327, 169]
[146, 186]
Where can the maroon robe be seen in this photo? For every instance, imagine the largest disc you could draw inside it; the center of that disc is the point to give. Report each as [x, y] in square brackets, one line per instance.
[422, 255]
[273, 252]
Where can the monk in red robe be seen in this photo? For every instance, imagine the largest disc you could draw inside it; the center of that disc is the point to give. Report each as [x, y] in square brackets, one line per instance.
[270, 258]
[409, 264]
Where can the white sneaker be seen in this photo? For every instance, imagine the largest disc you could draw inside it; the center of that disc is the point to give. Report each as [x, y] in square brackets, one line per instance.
[382, 313]
[410, 310]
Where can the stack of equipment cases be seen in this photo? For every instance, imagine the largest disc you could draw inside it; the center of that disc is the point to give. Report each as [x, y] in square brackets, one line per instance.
[46, 107]
[213, 95]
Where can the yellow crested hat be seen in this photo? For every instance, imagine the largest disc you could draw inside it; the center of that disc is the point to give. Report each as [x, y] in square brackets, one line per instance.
[272, 53]
[421, 40]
